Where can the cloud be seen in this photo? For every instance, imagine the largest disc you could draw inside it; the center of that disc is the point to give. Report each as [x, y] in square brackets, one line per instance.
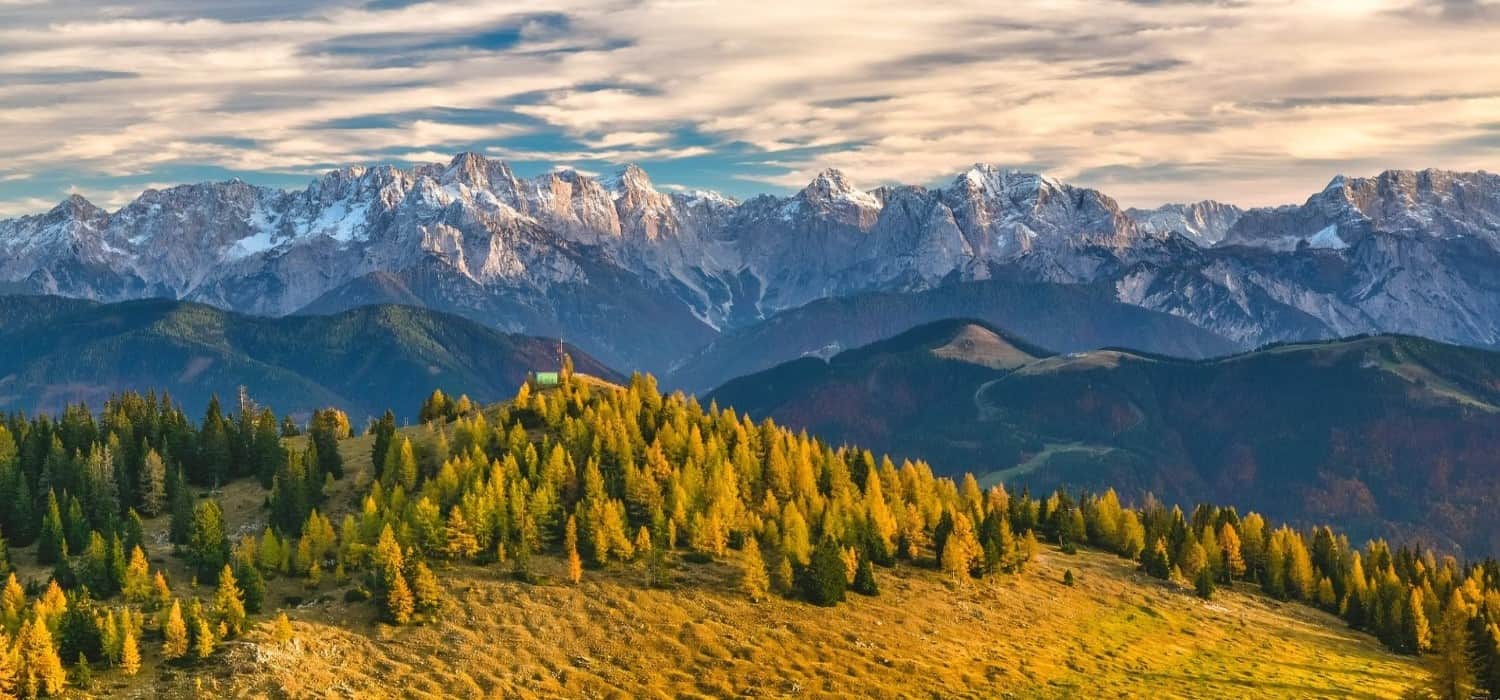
[23, 206]
[1257, 102]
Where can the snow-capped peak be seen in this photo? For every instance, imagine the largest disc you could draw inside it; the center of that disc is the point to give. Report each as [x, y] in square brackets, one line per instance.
[994, 178]
[832, 186]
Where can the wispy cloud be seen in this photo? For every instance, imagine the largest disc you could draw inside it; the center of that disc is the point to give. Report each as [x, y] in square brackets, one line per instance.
[1257, 101]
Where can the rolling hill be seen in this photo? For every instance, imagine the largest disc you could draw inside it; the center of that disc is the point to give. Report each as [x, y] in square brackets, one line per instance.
[365, 360]
[1382, 435]
[1064, 317]
[1116, 633]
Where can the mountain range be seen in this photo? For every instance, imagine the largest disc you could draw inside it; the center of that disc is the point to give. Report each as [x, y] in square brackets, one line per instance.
[647, 279]
[1385, 435]
[60, 351]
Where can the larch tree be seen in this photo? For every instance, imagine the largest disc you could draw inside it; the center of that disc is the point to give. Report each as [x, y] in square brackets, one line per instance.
[41, 669]
[425, 590]
[8, 670]
[1416, 632]
[1229, 547]
[130, 653]
[399, 602]
[462, 544]
[153, 485]
[961, 549]
[174, 634]
[400, 465]
[570, 545]
[1452, 675]
[204, 642]
[754, 580]
[229, 602]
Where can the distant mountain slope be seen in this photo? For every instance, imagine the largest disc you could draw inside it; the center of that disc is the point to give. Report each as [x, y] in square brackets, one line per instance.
[365, 360]
[1065, 317]
[1382, 434]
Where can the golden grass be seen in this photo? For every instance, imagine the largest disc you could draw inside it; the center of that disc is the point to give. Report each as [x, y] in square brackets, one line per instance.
[1116, 633]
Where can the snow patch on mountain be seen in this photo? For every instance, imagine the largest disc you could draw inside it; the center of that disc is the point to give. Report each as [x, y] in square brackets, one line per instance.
[1328, 239]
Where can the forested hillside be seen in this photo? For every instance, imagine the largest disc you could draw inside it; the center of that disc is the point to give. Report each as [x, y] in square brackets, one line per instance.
[676, 512]
[1388, 436]
[61, 351]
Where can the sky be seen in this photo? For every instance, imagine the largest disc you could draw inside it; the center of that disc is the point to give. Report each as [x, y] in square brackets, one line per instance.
[1251, 102]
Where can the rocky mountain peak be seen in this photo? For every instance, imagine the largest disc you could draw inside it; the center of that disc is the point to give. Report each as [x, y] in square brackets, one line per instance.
[470, 169]
[1205, 222]
[986, 177]
[832, 186]
[629, 179]
[76, 205]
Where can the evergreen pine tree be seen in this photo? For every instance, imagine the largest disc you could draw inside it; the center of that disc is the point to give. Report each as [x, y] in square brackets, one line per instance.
[83, 674]
[208, 540]
[252, 585]
[51, 541]
[1484, 652]
[180, 505]
[824, 580]
[864, 578]
[1452, 675]
[135, 532]
[384, 430]
[1203, 584]
[1416, 634]
[1155, 562]
[78, 630]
